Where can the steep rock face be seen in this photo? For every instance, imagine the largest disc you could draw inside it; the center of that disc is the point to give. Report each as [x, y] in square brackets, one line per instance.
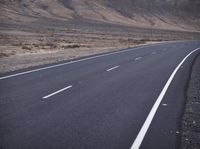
[169, 14]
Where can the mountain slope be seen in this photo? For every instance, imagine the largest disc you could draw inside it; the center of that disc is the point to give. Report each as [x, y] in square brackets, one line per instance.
[166, 14]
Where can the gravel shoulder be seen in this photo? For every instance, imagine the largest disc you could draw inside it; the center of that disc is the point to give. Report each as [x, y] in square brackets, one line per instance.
[191, 117]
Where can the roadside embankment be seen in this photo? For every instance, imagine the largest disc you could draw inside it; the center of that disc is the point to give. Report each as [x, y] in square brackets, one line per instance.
[191, 117]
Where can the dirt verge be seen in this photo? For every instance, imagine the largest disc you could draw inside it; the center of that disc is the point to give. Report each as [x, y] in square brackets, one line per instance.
[23, 49]
[191, 117]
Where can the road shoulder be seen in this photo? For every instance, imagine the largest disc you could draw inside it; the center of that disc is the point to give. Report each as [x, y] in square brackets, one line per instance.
[191, 118]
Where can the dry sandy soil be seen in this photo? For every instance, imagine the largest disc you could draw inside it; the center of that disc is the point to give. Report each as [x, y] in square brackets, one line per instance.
[22, 47]
[36, 32]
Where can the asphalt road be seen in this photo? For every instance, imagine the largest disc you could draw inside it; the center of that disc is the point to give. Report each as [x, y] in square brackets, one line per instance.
[98, 102]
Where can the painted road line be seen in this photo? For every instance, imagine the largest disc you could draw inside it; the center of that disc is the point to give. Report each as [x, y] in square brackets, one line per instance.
[138, 141]
[80, 60]
[153, 53]
[68, 87]
[164, 104]
[71, 62]
[138, 58]
[113, 68]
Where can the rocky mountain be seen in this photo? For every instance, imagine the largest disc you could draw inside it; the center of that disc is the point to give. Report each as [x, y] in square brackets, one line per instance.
[164, 14]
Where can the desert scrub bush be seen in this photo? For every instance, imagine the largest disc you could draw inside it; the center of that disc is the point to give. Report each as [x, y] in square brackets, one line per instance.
[141, 41]
[72, 46]
[26, 48]
[3, 55]
[35, 45]
[17, 44]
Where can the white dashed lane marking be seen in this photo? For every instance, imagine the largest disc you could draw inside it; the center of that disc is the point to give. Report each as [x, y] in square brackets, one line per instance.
[113, 68]
[138, 58]
[54, 93]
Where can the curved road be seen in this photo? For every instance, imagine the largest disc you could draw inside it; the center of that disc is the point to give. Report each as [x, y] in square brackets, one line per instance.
[98, 102]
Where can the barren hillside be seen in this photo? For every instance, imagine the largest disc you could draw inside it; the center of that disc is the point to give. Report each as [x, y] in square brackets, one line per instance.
[165, 14]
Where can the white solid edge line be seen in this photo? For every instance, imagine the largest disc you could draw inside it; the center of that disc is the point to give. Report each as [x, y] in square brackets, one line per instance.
[67, 63]
[80, 60]
[138, 141]
[113, 68]
[57, 92]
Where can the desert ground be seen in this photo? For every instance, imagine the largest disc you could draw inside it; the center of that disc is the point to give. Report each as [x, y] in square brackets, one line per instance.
[25, 46]
[40, 32]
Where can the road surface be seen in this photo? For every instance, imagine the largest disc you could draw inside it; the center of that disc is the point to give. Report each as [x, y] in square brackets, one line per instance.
[126, 99]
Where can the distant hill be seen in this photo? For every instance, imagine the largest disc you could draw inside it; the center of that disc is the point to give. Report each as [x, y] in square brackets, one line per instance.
[164, 14]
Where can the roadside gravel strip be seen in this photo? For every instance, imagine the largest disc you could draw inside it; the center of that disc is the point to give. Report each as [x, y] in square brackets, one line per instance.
[191, 117]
